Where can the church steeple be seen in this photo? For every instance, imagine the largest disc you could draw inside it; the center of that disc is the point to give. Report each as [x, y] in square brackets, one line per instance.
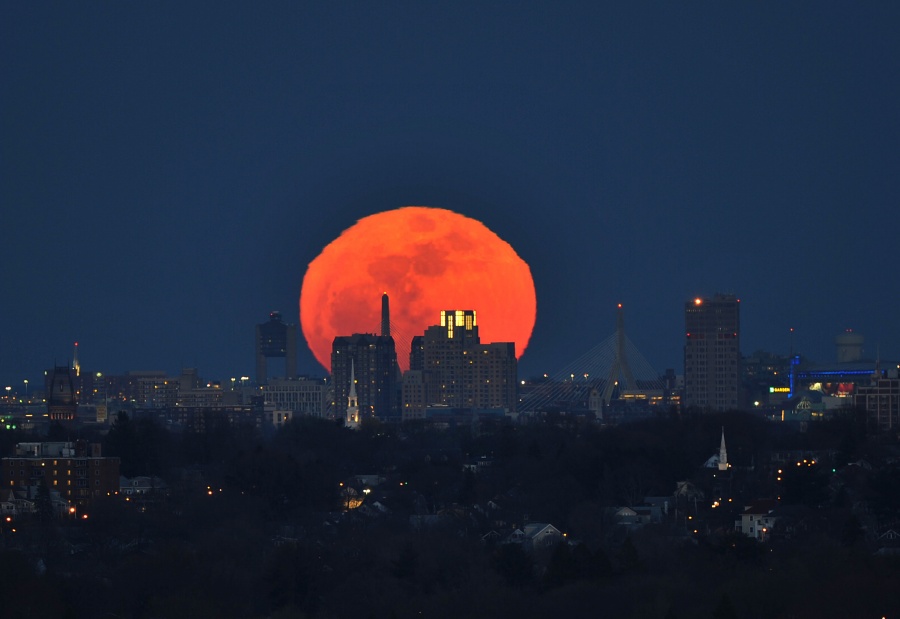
[352, 419]
[723, 453]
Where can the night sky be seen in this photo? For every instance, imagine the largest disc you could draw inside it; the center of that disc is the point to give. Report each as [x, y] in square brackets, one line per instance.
[169, 169]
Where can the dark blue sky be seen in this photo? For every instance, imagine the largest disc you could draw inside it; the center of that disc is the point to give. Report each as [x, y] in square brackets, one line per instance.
[169, 169]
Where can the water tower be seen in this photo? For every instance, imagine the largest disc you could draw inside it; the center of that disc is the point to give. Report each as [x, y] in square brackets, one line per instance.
[849, 346]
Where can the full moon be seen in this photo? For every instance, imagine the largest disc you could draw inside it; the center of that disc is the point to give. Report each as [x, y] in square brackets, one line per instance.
[427, 260]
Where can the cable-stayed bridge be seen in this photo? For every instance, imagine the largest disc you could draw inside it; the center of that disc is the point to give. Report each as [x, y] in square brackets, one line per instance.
[613, 370]
[612, 373]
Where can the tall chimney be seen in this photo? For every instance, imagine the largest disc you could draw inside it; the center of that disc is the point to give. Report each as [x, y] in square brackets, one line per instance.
[385, 316]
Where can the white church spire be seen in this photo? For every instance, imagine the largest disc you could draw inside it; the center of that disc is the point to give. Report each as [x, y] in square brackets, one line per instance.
[723, 453]
[352, 419]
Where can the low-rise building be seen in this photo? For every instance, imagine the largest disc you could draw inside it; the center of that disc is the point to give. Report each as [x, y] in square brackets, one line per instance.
[757, 519]
[881, 401]
[301, 396]
[77, 471]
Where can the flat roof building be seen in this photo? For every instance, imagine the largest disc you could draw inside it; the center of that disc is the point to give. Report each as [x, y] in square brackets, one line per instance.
[452, 368]
[76, 470]
[712, 352]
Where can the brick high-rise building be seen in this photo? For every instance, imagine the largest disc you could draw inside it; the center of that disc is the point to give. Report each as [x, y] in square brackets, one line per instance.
[712, 352]
[450, 366]
[77, 471]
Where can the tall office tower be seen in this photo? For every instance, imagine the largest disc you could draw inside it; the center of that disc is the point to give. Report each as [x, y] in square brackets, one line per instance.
[275, 339]
[373, 361]
[451, 367]
[712, 352]
[417, 353]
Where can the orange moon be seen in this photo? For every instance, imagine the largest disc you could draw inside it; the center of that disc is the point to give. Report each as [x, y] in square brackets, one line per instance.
[427, 260]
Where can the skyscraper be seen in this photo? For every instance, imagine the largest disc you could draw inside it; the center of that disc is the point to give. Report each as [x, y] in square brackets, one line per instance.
[712, 352]
[450, 366]
[275, 339]
[373, 360]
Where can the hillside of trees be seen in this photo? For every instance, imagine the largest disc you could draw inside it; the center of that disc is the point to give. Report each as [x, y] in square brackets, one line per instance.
[277, 524]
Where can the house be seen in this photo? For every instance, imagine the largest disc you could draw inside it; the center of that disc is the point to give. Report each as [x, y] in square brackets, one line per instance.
[541, 535]
[14, 503]
[370, 480]
[516, 537]
[141, 485]
[888, 544]
[477, 464]
[24, 501]
[757, 519]
[651, 511]
[627, 517]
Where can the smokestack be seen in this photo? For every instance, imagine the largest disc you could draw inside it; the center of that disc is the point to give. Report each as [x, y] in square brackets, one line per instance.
[385, 316]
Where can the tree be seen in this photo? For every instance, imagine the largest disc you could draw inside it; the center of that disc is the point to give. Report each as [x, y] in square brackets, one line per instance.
[407, 563]
[629, 560]
[725, 609]
[561, 568]
[44, 505]
[122, 442]
[852, 531]
[513, 564]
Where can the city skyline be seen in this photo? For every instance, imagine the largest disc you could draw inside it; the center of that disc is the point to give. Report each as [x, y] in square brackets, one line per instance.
[281, 369]
[168, 175]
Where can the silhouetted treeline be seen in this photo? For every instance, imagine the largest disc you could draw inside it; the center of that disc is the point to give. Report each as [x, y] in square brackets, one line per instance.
[268, 525]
